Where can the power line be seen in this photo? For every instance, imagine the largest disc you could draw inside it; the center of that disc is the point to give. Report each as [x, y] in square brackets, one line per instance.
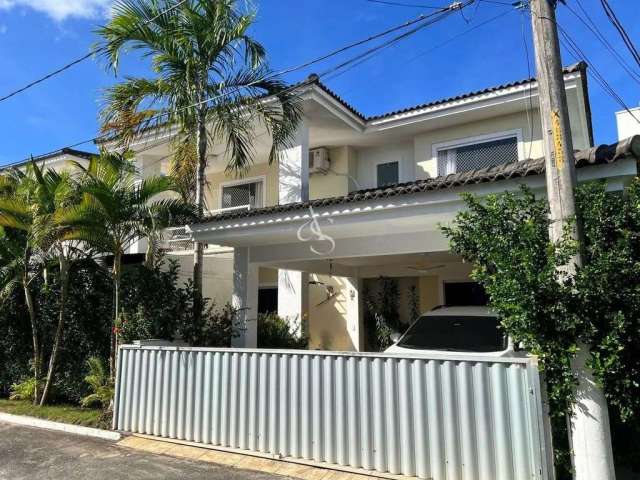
[432, 49]
[80, 59]
[588, 22]
[528, 108]
[400, 4]
[578, 54]
[444, 12]
[611, 15]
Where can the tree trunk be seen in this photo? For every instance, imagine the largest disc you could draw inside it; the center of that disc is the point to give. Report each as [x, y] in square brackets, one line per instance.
[35, 335]
[117, 267]
[150, 254]
[64, 295]
[198, 247]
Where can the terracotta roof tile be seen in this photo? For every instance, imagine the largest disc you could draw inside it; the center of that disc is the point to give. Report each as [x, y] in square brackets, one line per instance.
[603, 154]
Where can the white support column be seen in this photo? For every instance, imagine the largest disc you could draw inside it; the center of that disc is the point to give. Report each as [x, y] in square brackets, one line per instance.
[355, 312]
[293, 186]
[245, 299]
[293, 169]
[293, 299]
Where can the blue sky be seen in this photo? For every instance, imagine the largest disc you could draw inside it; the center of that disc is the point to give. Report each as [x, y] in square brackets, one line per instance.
[37, 36]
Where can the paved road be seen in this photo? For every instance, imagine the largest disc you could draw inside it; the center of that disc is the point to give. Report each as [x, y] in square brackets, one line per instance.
[32, 453]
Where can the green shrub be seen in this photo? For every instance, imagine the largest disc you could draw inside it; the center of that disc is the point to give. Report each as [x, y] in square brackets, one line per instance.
[101, 386]
[276, 332]
[506, 237]
[24, 390]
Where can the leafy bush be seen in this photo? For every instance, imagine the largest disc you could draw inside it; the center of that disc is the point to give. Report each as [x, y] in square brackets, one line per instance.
[24, 390]
[506, 237]
[152, 302]
[382, 315]
[216, 326]
[276, 332]
[100, 384]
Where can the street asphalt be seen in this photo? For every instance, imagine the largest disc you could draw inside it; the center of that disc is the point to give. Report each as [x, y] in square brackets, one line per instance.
[33, 453]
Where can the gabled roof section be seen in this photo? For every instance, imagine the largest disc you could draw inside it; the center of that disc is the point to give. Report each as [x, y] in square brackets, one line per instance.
[57, 153]
[604, 154]
[580, 67]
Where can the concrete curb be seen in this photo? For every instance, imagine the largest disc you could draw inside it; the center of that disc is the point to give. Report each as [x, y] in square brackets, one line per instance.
[62, 427]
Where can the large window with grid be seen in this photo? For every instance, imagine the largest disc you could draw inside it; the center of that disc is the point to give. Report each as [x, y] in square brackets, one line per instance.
[238, 195]
[477, 155]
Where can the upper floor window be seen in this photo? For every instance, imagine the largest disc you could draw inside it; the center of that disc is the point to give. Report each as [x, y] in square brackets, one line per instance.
[476, 154]
[246, 194]
[387, 173]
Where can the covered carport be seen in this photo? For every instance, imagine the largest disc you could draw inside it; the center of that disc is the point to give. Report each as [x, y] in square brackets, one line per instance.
[367, 233]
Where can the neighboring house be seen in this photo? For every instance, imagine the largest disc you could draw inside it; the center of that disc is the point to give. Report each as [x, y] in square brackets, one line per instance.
[59, 160]
[628, 123]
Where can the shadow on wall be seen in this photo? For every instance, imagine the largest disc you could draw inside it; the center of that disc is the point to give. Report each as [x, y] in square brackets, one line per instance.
[328, 324]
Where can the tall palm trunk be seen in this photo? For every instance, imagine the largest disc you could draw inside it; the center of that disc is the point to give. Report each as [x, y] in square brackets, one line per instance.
[198, 247]
[64, 295]
[117, 273]
[35, 333]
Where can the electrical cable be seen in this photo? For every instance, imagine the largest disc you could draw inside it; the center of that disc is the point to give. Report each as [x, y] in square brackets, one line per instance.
[613, 18]
[578, 54]
[400, 4]
[454, 6]
[590, 24]
[80, 59]
[529, 108]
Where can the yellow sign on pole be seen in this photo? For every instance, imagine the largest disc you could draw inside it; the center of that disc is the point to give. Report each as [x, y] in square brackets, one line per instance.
[557, 139]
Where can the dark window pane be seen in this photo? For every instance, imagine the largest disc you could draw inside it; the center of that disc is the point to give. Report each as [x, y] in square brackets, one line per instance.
[387, 173]
[461, 294]
[268, 300]
[455, 333]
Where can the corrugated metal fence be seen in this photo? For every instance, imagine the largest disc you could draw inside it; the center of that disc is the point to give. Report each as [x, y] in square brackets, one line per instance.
[442, 417]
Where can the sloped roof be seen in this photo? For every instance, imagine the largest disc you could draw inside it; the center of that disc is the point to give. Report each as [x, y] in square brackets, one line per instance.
[629, 148]
[56, 153]
[314, 79]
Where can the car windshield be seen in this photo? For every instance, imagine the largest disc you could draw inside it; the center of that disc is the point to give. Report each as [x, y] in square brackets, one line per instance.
[455, 333]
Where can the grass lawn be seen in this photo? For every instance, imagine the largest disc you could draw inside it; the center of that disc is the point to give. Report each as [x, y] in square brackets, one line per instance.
[88, 417]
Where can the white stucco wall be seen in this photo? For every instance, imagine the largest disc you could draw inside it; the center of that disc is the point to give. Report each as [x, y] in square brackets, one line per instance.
[370, 157]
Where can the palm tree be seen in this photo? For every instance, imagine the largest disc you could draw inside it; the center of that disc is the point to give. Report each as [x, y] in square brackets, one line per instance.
[115, 211]
[37, 198]
[17, 242]
[212, 82]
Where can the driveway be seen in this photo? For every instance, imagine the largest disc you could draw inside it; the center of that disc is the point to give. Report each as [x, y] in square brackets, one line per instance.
[29, 453]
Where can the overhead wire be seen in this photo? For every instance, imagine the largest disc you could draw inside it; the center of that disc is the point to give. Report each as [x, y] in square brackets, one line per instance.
[575, 50]
[529, 108]
[422, 18]
[80, 59]
[588, 22]
[613, 18]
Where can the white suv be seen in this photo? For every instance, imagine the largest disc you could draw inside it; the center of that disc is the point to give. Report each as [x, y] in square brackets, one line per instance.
[465, 330]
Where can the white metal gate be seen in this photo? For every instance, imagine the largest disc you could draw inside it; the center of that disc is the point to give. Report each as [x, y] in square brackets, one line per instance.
[442, 417]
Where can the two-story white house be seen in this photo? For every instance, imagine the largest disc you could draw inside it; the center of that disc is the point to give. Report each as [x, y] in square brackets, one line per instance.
[356, 198]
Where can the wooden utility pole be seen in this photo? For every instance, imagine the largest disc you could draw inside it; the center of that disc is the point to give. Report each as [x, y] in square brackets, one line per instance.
[590, 436]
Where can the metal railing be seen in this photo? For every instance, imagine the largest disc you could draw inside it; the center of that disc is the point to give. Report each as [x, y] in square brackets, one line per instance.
[178, 239]
[441, 417]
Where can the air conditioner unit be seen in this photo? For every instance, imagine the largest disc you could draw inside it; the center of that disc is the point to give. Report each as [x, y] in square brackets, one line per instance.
[319, 160]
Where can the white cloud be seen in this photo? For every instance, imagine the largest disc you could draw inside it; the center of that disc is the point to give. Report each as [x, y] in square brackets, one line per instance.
[62, 9]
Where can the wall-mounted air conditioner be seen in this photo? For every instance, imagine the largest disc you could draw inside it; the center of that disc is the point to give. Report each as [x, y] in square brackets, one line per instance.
[319, 161]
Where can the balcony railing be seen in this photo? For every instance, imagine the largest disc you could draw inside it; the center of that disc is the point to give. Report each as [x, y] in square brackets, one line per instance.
[178, 239]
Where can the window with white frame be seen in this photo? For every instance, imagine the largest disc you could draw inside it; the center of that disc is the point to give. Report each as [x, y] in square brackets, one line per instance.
[478, 154]
[387, 173]
[246, 194]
